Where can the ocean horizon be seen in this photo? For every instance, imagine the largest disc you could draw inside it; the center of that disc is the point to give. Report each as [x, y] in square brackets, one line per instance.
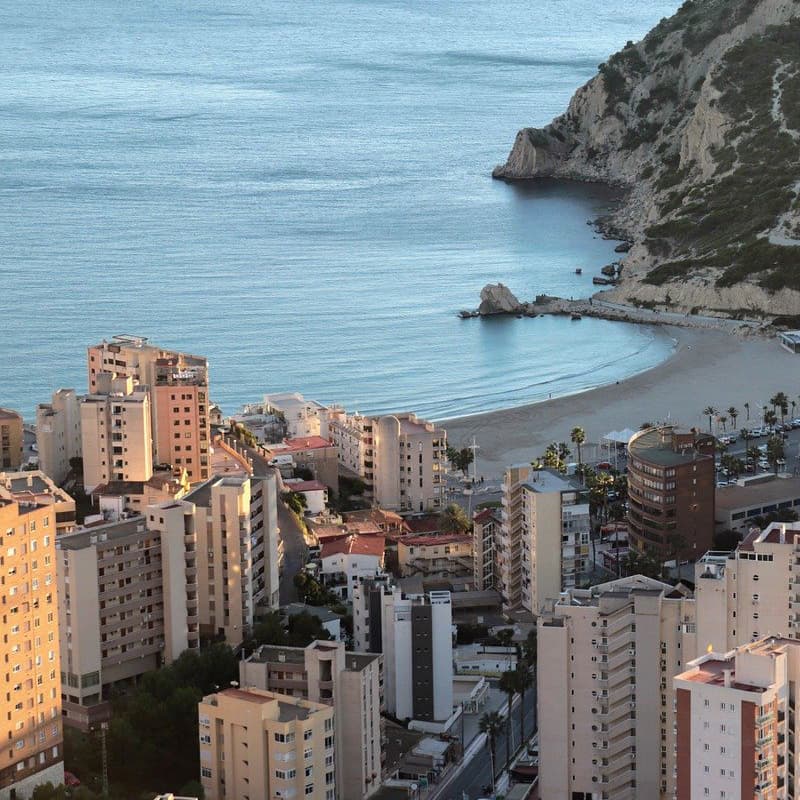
[302, 193]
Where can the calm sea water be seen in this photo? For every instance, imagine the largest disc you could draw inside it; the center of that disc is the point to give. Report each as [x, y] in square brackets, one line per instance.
[301, 192]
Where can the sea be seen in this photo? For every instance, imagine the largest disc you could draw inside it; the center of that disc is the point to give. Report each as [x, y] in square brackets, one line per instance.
[301, 192]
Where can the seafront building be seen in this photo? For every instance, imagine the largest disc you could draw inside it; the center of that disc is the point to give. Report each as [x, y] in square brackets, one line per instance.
[737, 727]
[351, 682]
[58, 434]
[543, 543]
[300, 416]
[258, 744]
[30, 700]
[177, 385]
[606, 658]
[671, 485]
[11, 439]
[34, 487]
[401, 458]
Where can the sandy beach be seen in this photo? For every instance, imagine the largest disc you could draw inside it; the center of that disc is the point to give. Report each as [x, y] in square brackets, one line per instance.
[708, 367]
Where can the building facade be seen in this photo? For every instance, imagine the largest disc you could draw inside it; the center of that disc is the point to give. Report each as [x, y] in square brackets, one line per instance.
[485, 530]
[448, 555]
[34, 487]
[58, 434]
[324, 673]
[11, 439]
[606, 657]
[31, 693]
[671, 486]
[256, 744]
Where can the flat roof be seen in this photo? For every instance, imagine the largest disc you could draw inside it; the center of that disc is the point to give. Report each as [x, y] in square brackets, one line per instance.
[8, 413]
[77, 540]
[650, 446]
[546, 480]
[731, 498]
[320, 612]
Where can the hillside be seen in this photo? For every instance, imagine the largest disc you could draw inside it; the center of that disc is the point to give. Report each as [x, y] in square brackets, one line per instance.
[701, 121]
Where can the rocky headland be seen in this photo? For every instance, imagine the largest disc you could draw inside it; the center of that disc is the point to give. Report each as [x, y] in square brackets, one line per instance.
[700, 121]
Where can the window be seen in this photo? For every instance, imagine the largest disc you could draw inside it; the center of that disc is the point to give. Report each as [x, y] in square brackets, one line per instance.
[309, 788]
[309, 753]
[205, 772]
[307, 735]
[284, 738]
[309, 771]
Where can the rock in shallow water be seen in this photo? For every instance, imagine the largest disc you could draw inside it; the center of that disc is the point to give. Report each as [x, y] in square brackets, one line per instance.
[498, 299]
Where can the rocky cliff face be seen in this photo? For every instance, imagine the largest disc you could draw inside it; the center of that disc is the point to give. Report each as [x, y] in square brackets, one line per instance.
[701, 121]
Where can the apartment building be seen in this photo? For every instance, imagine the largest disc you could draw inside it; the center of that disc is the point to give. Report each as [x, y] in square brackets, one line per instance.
[543, 544]
[116, 432]
[177, 385]
[30, 707]
[58, 434]
[343, 562]
[117, 499]
[237, 552]
[401, 458]
[301, 416]
[606, 660]
[351, 682]
[752, 592]
[256, 744]
[671, 485]
[10, 439]
[737, 730]
[448, 555]
[127, 605]
[485, 530]
[314, 453]
[34, 487]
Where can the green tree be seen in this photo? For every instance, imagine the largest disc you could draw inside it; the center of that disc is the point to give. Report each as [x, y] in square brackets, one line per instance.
[556, 455]
[460, 459]
[710, 412]
[770, 418]
[504, 637]
[578, 437]
[47, 791]
[747, 410]
[305, 628]
[491, 724]
[295, 501]
[454, 520]
[733, 413]
[723, 420]
[508, 684]
[523, 680]
[775, 451]
[753, 455]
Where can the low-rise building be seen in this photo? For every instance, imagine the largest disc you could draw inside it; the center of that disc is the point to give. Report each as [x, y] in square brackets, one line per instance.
[345, 561]
[313, 453]
[736, 722]
[34, 487]
[260, 744]
[443, 554]
[739, 504]
[314, 492]
[11, 439]
[58, 434]
[351, 682]
[301, 416]
[116, 499]
[488, 660]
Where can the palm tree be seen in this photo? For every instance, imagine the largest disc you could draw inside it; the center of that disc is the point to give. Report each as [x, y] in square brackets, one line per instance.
[770, 418]
[508, 684]
[733, 413]
[454, 520]
[491, 724]
[764, 410]
[723, 420]
[578, 437]
[710, 412]
[747, 409]
[524, 681]
[602, 485]
[754, 454]
[745, 434]
[794, 409]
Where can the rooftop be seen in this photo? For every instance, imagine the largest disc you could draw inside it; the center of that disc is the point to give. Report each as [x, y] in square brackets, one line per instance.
[302, 443]
[7, 413]
[110, 532]
[355, 545]
[546, 480]
[735, 497]
[417, 540]
[275, 654]
[201, 495]
[791, 336]
[669, 447]
[25, 485]
[306, 486]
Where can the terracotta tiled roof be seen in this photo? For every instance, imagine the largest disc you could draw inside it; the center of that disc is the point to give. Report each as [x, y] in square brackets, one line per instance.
[354, 545]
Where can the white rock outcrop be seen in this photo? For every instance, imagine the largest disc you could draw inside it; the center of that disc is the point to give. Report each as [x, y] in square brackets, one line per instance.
[498, 299]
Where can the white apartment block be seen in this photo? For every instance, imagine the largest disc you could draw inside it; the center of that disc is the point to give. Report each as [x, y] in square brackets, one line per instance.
[543, 543]
[737, 728]
[58, 433]
[351, 682]
[302, 417]
[606, 658]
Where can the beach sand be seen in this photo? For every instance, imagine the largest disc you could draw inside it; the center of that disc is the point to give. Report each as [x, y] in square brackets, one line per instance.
[708, 367]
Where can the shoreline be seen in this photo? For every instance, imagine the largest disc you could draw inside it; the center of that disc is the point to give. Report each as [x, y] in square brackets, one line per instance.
[707, 367]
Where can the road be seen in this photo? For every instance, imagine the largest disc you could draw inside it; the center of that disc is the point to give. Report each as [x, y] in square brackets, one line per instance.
[471, 780]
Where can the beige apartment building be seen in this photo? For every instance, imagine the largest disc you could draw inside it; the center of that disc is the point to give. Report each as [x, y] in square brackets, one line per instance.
[34, 487]
[256, 744]
[737, 730]
[58, 434]
[30, 697]
[351, 682]
[237, 552]
[448, 555]
[128, 604]
[10, 439]
[117, 499]
[606, 660]
[543, 543]
[177, 384]
[116, 433]
[401, 458]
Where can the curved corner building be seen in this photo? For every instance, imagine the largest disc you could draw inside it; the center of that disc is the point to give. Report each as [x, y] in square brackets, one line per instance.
[671, 488]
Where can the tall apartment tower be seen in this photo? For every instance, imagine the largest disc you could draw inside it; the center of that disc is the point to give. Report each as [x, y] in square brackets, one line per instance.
[256, 744]
[606, 660]
[324, 673]
[30, 698]
[58, 433]
[752, 592]
[485, 530]
[178, 387]
[10, 439]
[237, 552]
[671, 486]
[737, 727]
[543, 544]
[116, 433]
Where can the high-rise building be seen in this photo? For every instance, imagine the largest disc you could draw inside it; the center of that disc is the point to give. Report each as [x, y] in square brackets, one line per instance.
[737, 730]
[58, 434]
[10, 439]
[127, 597]
[324, 673]
[31, 678]
[116, 433]
[606, 657]
[178, 387]
[671, 486]
[543, 543]
[34, 487]
[237, 552]
[256, 744]
[485, 530]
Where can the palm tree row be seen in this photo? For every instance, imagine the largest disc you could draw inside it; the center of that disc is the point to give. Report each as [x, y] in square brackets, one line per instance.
[777, 407]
